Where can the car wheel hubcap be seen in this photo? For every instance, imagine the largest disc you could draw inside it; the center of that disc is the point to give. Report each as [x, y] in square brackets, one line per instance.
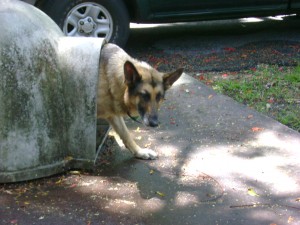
[86, 25]
[89, 19]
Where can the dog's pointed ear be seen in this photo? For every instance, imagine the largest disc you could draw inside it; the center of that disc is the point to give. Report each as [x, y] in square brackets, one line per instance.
[131, 74]
[170, 78]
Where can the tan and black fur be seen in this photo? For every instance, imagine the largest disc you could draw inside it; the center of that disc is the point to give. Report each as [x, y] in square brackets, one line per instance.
[130, 87]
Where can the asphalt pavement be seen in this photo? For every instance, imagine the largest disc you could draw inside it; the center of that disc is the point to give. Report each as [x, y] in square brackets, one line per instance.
[219, 163]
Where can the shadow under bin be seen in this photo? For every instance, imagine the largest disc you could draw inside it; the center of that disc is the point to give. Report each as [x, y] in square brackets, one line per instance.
[48, 96]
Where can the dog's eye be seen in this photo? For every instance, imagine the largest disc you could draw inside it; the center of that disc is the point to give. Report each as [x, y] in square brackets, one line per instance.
[145, 96]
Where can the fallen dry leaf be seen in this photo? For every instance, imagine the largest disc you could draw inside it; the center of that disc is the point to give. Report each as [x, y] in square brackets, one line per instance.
[209, 82]
[201, 77]
[229, 49]
[252, 192]
[14, 221]
[290, 219]
[160, 194]
[172, 121]
[147, 145]
[250, 116]
[8, 192]
[257, 129]
[210, 195]
[43, 193]
[73, 185]
[68, 158]
[75, 172]
[59, 181]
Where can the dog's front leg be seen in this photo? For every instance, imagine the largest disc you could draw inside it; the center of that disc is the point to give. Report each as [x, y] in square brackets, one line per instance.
[120, 127]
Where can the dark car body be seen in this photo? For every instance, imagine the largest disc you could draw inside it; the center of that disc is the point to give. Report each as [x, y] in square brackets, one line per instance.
[194, 10]
[160, 11]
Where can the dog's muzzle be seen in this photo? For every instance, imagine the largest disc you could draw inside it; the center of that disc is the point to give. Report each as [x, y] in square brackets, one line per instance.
[151, 121]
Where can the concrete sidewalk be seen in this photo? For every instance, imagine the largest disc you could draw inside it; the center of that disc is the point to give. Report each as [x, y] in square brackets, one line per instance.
[220, 163]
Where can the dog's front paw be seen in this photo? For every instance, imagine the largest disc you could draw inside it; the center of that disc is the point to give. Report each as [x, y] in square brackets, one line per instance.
[145, 153]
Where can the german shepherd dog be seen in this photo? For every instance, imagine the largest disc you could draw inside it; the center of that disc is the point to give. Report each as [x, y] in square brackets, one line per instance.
[130, 87]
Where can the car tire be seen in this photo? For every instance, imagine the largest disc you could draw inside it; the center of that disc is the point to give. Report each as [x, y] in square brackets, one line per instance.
[107, 19]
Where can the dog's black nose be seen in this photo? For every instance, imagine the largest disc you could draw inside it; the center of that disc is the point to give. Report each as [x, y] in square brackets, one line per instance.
[153, 121]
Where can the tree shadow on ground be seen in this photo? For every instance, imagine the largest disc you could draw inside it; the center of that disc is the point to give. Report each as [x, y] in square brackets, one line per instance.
[124, 190]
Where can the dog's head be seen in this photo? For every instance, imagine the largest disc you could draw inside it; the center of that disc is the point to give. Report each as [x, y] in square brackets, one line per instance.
[146, 89]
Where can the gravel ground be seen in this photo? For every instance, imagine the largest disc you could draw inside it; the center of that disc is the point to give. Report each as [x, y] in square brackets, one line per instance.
[231, 59]
[214, 46]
